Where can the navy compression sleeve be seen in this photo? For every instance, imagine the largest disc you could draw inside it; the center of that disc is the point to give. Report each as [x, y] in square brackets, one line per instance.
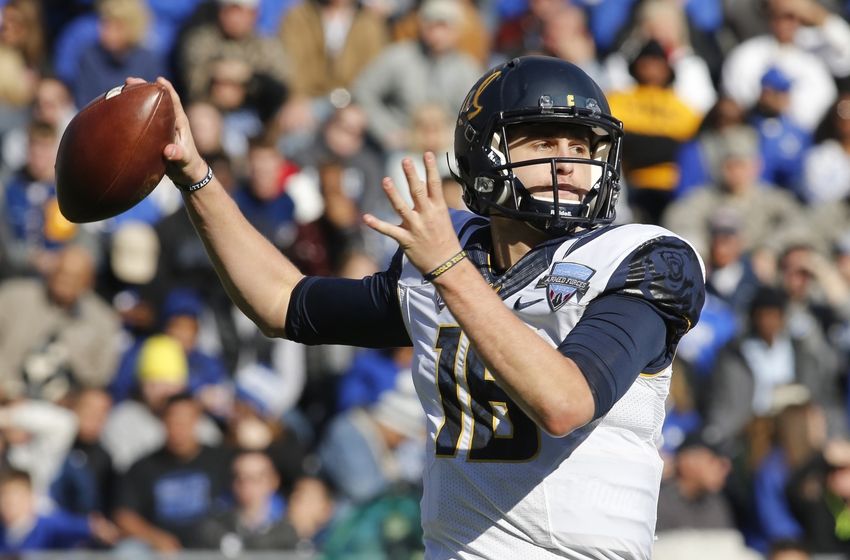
[362, 313]
[617, 338]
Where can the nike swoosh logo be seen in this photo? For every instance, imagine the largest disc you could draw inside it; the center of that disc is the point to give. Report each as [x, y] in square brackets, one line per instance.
[519, 305]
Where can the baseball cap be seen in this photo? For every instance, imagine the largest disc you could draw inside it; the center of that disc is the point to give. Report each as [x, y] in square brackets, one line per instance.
[134, 253]
[448, 11]
[263, 389]
[163, 359]
[776, 80]
[182, 301]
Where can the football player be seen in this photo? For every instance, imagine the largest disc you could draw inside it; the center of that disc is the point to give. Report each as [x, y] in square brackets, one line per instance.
[543, 334]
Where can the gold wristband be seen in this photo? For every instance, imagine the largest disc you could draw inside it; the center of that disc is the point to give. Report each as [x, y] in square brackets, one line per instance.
[445, 266]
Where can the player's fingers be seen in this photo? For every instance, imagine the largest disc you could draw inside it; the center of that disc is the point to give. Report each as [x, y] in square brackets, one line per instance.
[132, 80]
[432, 177]
[174, 152]
[396, 200]
[179, 114]
[418, 190]
[386, 228]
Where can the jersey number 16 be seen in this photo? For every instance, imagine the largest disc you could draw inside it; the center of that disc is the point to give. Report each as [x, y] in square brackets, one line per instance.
[501, 431]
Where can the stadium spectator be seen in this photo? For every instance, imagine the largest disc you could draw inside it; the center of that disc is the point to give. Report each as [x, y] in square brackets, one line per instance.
[256, 520]
[699, 160]
[827, 164]
[134, 427]
[782, 143]
[818, 297]
[666, 23]
[24, 529]
[365, 451]
[257, 423]
[30, 209]
[36, 436]
[413, 72]
[772, 218]
[475, 39]
[311, 510]
[799, 433]
[52, 104]
[819, 494]
[812, 85]
[56, 329]
[565, 35]
[330, 42]
[730, 272]
[523, 33]
[762, 358]
[86, 479]
[118, 52]
[692, 506]
[657, 122]
[21, 30]
[207, 376]
[372, 373]
[231, 36]
[163, 495]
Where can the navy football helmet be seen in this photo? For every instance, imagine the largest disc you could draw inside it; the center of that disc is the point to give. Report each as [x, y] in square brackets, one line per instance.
[536, 89]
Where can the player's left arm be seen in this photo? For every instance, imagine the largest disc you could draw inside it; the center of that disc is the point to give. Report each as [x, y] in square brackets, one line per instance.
[549, 386]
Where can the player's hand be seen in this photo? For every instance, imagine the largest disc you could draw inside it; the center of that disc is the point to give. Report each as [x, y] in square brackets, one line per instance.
[425, 234]
[183, 163]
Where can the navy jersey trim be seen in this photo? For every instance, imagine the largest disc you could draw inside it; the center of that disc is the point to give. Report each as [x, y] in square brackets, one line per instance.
[615, 340]
[362, 313]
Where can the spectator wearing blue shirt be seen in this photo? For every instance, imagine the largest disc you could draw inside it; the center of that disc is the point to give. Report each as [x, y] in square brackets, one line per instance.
[118, 52]
[263, 199]
[167, 493]
[23, 529]
[783, 144]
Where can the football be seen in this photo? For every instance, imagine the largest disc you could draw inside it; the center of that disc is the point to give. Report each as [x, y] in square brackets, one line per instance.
[110, 156]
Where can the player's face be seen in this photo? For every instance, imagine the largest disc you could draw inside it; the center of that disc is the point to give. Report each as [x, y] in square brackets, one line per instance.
[537, 141]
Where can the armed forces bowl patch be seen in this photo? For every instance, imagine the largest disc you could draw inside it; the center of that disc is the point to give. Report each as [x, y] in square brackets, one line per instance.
[565, 280]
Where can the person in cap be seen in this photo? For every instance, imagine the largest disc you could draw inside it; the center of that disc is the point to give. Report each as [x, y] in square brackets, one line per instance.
[180, 318]
[134, 427]
[366, 451]
[257, 422]
[783, 143]
[660, 122]
[813, 86]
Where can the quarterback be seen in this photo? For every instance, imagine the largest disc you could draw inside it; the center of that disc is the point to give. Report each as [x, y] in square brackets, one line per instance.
[543, 334]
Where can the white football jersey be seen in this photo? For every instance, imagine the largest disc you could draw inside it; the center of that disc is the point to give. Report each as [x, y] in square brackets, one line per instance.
[495, 484]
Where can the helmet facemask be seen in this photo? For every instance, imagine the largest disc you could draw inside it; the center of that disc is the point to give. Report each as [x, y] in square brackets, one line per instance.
[551, 210]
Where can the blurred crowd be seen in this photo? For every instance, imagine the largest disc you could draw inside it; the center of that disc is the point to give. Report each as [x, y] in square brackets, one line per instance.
[140, 411]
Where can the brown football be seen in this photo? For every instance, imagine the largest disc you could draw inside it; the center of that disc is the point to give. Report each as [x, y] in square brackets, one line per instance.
[110, 156]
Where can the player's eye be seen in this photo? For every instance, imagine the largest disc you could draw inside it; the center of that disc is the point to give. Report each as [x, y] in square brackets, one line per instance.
[580, 150]
[544, 145]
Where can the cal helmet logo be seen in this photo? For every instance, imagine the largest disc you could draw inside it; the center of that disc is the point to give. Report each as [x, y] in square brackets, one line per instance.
[565, 280]
[471, 105]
